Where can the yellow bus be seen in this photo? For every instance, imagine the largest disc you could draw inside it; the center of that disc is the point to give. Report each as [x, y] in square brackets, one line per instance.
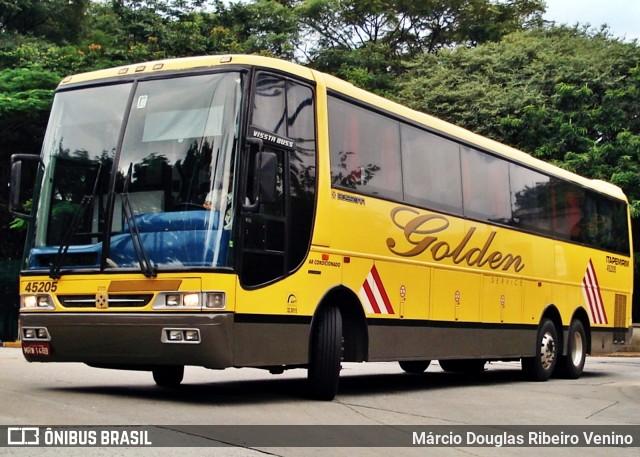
[242, 211]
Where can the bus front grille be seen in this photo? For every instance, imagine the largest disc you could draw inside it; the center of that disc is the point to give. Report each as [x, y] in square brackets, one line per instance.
[114, 301]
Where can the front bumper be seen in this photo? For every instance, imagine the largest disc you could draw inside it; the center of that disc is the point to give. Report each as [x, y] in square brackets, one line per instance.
[128, 340]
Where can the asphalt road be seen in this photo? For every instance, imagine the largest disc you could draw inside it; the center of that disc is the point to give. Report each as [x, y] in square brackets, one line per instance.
[370, 394]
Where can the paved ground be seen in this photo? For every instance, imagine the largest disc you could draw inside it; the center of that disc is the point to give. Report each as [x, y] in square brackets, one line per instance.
[370, 394]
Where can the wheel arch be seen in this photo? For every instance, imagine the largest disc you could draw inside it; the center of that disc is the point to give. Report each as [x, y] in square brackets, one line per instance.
[354, 323]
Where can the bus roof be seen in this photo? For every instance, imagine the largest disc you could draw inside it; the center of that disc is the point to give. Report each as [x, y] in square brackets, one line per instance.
[348, 89]
[190, 63]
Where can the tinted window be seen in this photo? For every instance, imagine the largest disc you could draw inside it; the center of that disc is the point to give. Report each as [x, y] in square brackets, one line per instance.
[590, 218]
[269, 104]
[568, 206]
[365, 150]
[302, 169]
[603, 223]
[485, 184]
[431, 171]
[531, 199]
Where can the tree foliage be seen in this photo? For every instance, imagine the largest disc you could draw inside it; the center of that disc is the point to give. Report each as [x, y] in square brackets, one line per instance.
[378, 35]
[54, 20]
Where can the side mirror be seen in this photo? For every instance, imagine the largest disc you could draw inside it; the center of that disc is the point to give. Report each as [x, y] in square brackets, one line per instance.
[15, 200]
[16, 177]
[267, 176]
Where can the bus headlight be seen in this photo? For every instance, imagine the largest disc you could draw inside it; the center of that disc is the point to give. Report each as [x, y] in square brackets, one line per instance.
[216, 300]
[35, 334]
[36, 302]
[180, 335]
[191, 335]
[29, 301]
[172, 300]
[191, 300]
[187, 300]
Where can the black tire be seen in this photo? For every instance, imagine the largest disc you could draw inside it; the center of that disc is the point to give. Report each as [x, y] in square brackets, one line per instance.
[571, 366]
[168, 376]
[414, 366]
[463, 365]
[326, 354]
[541, 366]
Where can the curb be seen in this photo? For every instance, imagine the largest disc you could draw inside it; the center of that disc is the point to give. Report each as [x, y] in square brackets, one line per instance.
[617, 354]
[11, 344]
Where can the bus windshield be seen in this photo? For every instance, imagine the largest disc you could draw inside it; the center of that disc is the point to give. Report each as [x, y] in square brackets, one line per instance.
[139, 175]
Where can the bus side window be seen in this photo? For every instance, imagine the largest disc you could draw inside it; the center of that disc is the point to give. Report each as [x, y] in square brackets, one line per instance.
[531, 199]
[599, 221]
[302, 170]
[364, 148]
[485, 186]
[431, 171]
[568, 213]
[269, 104]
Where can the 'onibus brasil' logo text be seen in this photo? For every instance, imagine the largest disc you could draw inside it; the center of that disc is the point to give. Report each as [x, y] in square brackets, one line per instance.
[420, 232]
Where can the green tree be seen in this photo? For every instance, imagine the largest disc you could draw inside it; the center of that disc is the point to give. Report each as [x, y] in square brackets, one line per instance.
[59, 21]
[353, 38]
[25, 100]
[263, 26]
[142, 30]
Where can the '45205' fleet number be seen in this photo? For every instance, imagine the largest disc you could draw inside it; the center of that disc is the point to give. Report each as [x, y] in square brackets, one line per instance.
[41, 286]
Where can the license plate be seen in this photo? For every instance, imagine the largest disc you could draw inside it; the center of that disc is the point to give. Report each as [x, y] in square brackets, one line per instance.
[36, 349]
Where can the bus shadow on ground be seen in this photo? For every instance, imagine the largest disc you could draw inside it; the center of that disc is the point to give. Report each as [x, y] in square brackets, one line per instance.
[273, 390]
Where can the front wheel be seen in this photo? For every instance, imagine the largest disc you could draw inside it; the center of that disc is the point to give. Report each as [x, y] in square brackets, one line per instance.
[326, 354]
[541, 366]
[168, 376]
[571, 365]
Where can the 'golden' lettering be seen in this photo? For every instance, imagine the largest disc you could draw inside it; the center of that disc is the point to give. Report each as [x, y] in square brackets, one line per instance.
[420, 233]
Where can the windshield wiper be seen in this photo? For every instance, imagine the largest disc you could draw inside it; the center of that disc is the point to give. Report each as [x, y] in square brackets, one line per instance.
[146, 266]
[136, 240]
[56, 266]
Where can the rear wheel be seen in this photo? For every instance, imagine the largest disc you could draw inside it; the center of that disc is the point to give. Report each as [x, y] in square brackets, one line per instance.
[462, 366]
[414, 366]
[571, 365]
[168, 376]
[541, 366]
[326, 354]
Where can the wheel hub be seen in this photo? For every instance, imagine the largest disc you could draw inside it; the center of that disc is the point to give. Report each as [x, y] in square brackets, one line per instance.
[577, 348]
[547, 351]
